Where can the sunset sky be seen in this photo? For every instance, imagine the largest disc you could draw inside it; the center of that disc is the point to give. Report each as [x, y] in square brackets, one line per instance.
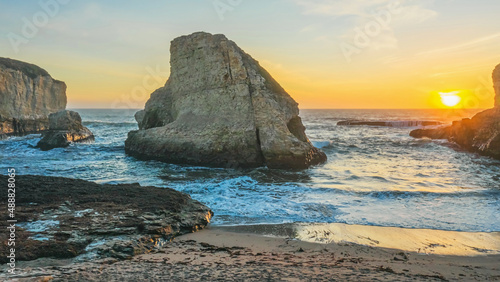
[325, 53]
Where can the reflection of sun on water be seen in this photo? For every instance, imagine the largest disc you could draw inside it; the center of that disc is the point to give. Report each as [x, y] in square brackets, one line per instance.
[450, 99]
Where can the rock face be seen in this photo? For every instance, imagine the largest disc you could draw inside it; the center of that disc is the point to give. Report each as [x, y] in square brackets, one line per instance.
[480, 134]
[28, 94]
[64, 218]
[221, 108]
[64, 127]
[496, 85]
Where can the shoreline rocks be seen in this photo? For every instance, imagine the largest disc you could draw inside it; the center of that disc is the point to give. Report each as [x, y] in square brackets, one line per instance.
[221, 108]
[67, 218]
[28, 95]
[65, 127]
[480, 134]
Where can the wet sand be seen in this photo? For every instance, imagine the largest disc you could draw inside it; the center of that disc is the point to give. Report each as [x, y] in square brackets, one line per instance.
[234, 254]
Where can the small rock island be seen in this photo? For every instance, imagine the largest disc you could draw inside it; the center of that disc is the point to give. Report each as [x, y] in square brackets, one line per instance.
[221, 108]
[64, 127]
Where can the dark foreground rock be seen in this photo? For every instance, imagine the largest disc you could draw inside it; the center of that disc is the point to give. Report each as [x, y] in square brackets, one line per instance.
[64, 218]
[409, 123]
[64, 127]
[480, 134]
[221, 108]
[28, 94]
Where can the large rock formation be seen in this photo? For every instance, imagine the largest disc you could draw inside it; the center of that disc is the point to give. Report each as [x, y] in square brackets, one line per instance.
[221, 108]
[28, 94]
[64, 127]
[479, 134]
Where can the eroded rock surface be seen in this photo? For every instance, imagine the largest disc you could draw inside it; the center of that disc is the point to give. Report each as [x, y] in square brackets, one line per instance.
[64, 127]
[64, 218]
[221, 108]
[28, 94]
[480, 134]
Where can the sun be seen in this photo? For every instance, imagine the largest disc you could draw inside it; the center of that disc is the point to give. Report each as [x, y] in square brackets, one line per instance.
[450, 99]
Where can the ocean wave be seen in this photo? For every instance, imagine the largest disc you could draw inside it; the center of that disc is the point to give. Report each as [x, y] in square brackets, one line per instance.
[322, 144]
[98, 123]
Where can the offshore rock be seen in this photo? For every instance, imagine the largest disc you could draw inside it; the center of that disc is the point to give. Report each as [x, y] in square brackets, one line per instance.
[67, 218]
[480, 134]
[28, 94]
[221, 108]
[392, 123]
[64, 127]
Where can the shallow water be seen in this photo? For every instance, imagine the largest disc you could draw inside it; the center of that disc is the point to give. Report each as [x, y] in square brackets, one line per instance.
[374, 175]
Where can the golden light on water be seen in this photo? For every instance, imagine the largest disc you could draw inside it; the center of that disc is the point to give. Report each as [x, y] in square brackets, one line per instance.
[450, 99]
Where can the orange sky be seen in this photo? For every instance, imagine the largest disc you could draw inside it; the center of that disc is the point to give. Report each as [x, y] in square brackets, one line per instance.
[107, 51]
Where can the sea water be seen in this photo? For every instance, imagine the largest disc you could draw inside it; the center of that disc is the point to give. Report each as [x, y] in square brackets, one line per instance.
[374, 175]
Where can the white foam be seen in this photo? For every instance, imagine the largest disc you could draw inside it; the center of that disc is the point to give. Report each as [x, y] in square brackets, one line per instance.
[39, 225]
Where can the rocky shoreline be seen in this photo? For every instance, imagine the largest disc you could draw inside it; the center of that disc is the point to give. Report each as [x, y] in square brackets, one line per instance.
[70, 218]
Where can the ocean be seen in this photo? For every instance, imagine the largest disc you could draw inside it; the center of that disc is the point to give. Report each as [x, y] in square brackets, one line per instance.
[375, 175]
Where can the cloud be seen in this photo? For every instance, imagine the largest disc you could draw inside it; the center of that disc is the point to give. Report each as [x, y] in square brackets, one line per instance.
[406, 11]
[460, 47]
[390, 14]
[340, 7]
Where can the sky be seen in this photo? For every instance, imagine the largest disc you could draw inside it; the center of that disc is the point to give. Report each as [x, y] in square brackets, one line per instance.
[325, 53]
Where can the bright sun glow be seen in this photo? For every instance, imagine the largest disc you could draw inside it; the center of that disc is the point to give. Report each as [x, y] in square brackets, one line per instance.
[450, 99]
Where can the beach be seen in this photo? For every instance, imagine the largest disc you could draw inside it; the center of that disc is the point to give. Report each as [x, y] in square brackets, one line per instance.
[235, 254]
[249, 141]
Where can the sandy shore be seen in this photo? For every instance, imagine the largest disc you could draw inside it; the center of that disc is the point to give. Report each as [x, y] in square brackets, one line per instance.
[233, 254]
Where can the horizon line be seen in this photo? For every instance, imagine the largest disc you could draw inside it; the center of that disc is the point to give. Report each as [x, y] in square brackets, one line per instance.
[307, 108]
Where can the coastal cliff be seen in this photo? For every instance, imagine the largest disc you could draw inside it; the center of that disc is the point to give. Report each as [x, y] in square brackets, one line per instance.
[28, 95]
[221, 108]
[480, 134]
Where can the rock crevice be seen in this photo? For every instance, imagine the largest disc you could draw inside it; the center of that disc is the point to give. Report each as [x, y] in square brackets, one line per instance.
[221, 108]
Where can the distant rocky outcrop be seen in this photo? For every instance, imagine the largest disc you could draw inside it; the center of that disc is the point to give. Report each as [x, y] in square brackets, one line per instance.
[28, 94]
[392, 123]
[480, 134]
[221, 108]
[64, 218]
[64, 127]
